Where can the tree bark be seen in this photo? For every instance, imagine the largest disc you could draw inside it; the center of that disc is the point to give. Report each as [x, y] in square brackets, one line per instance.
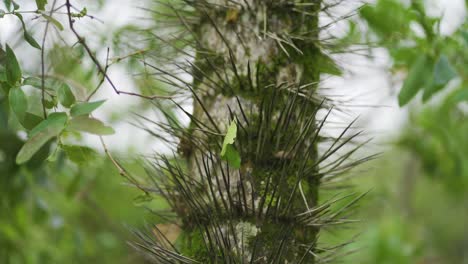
[255, 64]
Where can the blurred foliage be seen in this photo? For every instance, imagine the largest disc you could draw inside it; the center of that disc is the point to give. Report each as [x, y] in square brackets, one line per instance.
[60, 202]
[416, 212]
[416, 45]
[59, 212]
[73, 210]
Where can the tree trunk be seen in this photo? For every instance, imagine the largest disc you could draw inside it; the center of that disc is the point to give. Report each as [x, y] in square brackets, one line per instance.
[255, 64]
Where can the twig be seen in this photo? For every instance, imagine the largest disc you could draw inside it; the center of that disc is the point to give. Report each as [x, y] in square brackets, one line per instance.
[101, 69]
[103, 78]
[119, 167]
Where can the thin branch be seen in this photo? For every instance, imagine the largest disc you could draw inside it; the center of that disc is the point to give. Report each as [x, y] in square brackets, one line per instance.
[101, 69]
[119, 167]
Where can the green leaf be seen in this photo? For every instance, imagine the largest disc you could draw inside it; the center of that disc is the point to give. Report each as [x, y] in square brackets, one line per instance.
[56, 121]
[65, 95]
[228, 152]
[49, 104]
[31, 40]
[36, 82]
[79, 154]
[443, 73]
[378, 15]
[18, 102]
[230, 137]
[460, 95]
[2, 74]
[232, 157]
[465, 36]
[41, 4]
[2, 13]
[54, 21]
[85, 108]
[31, 120]
[417, 78]
[53, 157]
[15, 5]
[26, 34]
[35, 143]
[12, 68]
[90, 125]
[7, 4]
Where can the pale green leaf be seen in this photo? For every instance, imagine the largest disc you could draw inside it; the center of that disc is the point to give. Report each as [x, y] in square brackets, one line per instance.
[230, 137]
[229, 152]
[34, 144]
[36, 82]
[54, 21]
[85, 108]
[90, 125]
[53, 157]
[56, 121]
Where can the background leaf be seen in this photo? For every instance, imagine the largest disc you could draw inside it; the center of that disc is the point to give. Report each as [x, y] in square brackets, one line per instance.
[65, 95]
[90, 125]
[12, 68]
[418, 76]
[56, 121]
[443, 73]
[54, 21]
[18, 102]
[41, 4]
[30, 39]
[85, 108]
[79, 154]
[35, 143]
[31, 120]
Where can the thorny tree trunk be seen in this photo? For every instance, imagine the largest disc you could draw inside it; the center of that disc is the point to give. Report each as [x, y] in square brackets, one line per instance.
[255, 64]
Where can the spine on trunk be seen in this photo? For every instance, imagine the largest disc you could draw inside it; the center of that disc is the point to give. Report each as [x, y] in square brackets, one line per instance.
[245, 185]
